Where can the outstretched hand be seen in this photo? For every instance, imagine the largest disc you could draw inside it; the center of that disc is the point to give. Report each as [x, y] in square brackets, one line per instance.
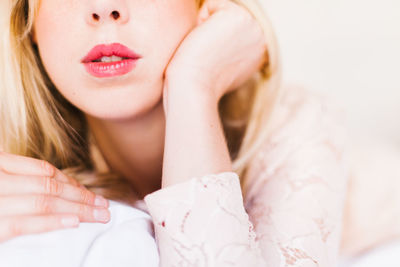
[37, 197]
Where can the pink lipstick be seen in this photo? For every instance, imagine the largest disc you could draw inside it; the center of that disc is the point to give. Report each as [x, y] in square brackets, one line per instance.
[110, 60]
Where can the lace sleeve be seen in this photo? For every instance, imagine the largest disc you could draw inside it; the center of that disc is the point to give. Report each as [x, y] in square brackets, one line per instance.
[298, 184]
[202, 222]
[290, 216]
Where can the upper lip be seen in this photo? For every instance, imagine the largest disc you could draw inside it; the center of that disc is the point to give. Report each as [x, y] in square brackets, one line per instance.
[114, 49]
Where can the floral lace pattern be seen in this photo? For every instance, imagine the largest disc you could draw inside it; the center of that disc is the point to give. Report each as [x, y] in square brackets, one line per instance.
[291, 214]
[192, 225]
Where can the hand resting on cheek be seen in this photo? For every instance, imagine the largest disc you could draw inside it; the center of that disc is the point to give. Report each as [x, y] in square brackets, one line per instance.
[225, 48]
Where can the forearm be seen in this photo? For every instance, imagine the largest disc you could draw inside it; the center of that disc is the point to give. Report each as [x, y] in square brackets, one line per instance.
[198, 215]
[194, 141]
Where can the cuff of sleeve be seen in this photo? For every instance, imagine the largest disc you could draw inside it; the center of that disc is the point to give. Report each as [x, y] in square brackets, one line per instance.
[163, 201]
[202, 218]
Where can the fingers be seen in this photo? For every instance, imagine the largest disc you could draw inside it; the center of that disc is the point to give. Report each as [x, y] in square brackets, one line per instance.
[203, 14]
[213, 6]
[11, 163]
[17, 185]
[60, 176]
[36, 197]
[22, 225]
[16, 164]
[39, 204]
[207, 9]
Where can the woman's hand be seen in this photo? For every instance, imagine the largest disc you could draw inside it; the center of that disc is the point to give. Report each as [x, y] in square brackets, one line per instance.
[224, 50]
[36, 197]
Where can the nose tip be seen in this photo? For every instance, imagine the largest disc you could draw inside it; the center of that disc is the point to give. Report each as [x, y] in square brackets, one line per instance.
[100, 15]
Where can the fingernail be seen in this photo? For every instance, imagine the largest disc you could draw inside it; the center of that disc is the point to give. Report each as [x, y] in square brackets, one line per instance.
[70, 221]
[101, 215]
[100, 201]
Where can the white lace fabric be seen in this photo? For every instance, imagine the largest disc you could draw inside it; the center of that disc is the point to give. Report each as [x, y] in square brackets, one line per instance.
[292, 212]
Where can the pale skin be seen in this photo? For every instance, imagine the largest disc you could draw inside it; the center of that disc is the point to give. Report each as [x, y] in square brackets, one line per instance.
[156, 126]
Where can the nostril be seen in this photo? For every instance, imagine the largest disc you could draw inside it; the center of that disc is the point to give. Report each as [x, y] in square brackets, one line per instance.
[115, 14]
[95, 16]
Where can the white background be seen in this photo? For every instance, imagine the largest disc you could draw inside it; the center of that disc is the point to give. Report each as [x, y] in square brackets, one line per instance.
[349, 49]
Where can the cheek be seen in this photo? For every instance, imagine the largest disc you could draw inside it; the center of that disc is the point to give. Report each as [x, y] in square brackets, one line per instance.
[155, 31]
[174, 25]
[55, 43]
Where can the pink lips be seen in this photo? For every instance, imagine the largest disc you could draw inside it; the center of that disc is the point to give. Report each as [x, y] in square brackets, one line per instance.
[95, 67]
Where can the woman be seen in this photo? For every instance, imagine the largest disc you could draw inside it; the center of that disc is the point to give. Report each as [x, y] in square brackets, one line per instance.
[177, 105]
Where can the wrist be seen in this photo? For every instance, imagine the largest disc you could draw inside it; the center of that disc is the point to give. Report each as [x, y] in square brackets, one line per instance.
[185, 90]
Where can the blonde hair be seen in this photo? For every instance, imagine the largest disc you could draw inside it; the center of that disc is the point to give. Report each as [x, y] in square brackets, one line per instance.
[36, 121]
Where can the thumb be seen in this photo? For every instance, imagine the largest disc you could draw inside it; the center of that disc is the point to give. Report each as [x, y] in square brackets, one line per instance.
[209, 7]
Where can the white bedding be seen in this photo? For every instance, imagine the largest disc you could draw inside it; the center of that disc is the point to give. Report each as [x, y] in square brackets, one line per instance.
[126, 240]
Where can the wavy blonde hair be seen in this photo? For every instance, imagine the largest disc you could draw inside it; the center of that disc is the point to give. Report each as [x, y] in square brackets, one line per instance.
[36, 121]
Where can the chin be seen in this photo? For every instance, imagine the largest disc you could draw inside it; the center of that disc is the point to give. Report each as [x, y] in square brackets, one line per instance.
[124, 103]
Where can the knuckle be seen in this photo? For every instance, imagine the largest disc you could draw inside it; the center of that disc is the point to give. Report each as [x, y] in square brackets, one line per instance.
[52, 186]
[46, 167]
[43, 203]
[73, 181]
[83, 211]
[86, 196]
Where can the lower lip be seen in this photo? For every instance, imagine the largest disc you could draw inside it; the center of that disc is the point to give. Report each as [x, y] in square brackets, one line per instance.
[110, 69]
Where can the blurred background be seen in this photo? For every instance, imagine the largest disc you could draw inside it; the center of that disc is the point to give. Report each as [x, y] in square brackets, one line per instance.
[349, 49]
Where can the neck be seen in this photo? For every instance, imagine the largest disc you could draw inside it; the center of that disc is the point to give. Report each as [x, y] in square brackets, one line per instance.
[133, 148]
